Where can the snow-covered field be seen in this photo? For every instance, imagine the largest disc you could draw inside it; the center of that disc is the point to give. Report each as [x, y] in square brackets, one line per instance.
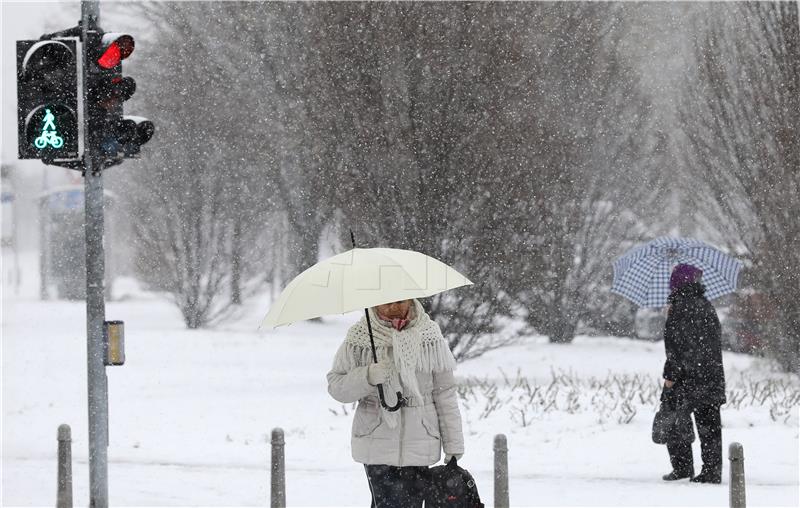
[191, 413]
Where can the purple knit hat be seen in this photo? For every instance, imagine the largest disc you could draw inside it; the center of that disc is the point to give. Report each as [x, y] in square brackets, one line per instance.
[682, 275]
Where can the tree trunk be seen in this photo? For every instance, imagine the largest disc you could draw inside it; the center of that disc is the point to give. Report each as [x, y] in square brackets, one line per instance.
[561, 330]
[236, 262]
[304, 232]
[561, 325]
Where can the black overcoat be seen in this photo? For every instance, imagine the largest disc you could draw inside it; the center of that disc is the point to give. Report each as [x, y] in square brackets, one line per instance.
[692, 339]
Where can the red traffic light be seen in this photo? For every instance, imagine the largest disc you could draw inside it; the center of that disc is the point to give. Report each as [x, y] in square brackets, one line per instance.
[116, 48]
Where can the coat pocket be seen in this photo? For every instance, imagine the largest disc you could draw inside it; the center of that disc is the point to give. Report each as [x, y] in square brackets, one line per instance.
[431, 425]
[366, 420]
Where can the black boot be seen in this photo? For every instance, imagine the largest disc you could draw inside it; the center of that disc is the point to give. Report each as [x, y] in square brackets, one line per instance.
[676, 475]
[709, 427]
[708, 476]
[680, 456]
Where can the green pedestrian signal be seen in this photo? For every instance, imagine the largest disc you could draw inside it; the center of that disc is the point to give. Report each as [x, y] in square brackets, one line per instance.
[51, 132]
[49, 135]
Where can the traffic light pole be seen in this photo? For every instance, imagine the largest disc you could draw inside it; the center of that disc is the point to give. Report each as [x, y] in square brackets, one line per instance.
[95, 275]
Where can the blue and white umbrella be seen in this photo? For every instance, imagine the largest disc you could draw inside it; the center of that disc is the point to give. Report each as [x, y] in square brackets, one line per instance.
[642, 274]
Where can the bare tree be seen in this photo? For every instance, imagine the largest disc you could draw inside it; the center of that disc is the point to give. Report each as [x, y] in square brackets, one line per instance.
[492, 136]
[589, 117]
[400, 87]
[200, 200]
[740, 117]
[467, 132]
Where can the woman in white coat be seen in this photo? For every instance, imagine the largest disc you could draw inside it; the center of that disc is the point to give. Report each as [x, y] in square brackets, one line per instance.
[396, 448]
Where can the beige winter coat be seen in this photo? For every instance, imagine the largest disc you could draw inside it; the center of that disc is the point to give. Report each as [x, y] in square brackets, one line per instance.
[415, 435]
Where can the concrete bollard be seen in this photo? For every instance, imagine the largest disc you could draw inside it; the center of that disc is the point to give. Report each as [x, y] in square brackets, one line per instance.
[278, 470]
[501, 471]
[737, 493]
[64, 493]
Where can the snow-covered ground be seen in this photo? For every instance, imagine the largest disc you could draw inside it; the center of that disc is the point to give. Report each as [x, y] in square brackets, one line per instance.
[191, 414]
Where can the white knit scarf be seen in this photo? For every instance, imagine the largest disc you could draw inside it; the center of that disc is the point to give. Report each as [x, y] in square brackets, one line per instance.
[418, 347]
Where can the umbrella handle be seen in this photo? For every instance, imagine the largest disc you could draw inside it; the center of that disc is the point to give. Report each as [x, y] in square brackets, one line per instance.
[401, 401]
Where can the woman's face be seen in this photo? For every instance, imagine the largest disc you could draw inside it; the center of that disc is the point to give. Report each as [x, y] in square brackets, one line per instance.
[395, 309]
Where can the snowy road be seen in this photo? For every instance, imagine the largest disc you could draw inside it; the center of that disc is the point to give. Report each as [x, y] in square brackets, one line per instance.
[142, 484]
[191, 412]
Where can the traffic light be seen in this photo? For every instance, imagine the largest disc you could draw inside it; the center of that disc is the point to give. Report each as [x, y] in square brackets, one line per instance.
[49, 85]
[48, 88]
[113, 136]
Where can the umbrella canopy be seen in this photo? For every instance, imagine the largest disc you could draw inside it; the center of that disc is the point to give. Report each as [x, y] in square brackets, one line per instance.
[358, 279]
[642, 274]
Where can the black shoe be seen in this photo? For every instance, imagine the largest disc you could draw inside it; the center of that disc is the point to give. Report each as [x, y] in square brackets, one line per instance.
[675, 475]
[707, 476]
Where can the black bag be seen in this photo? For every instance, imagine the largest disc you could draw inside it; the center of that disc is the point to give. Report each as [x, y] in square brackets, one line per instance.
[673, 420]
[451, 486]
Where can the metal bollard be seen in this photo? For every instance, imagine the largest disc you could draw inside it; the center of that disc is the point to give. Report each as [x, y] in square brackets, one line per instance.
[64, 493]
[737, 493]
[278, 471]
[500, 471]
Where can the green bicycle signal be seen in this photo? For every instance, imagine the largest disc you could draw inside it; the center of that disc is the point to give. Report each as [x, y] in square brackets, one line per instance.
[49, 135]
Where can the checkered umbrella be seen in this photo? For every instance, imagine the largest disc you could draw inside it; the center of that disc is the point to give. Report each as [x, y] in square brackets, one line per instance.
[642, 274]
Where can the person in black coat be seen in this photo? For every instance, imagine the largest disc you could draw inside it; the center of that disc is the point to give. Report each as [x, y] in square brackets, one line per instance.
[694, 378]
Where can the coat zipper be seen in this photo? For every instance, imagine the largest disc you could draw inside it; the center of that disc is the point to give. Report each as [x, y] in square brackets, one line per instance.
[402, 431]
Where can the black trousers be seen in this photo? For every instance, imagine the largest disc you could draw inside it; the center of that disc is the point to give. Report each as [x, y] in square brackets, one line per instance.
[709, 429]
[396, 487]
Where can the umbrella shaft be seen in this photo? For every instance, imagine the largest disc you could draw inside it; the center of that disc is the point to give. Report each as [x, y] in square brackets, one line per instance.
[371, 340]
[401, 402]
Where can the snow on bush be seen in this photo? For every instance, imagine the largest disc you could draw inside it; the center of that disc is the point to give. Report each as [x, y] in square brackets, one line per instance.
[613, 398]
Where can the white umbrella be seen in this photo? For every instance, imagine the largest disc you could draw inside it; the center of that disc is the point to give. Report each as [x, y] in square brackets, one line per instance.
[359, 279]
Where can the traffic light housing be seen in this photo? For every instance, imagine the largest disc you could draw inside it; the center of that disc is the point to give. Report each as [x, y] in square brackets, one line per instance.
[113, 136]
[53, 111]
[48, 88]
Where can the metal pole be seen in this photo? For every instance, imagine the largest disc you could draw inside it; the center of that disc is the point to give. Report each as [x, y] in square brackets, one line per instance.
[737, 493]
[64, 493]
[278, 471]
[44, 218]
[501, 471]
[95, 299]
[15, 232]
